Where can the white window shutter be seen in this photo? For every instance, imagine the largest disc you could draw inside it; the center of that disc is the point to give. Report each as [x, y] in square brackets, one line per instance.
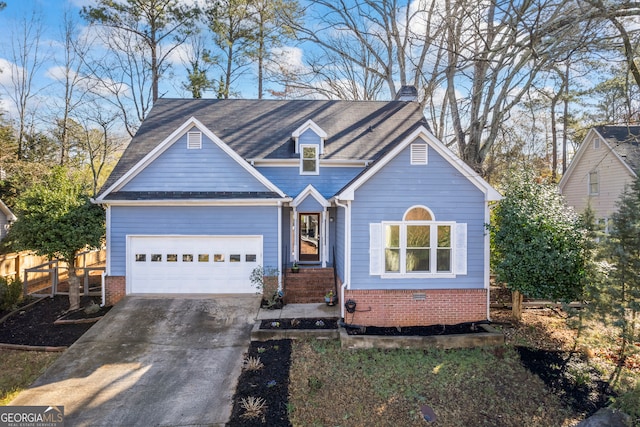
[375, 249]
[461, 249]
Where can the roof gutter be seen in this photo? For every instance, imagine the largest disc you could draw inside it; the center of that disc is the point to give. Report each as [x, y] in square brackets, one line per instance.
[347, 251]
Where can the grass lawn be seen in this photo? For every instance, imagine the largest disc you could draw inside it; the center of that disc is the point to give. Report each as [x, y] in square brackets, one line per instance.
[477, 387]
[19, 369]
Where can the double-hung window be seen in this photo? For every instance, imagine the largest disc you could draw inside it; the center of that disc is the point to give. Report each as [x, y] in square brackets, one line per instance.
[418, 247]
[309, 159]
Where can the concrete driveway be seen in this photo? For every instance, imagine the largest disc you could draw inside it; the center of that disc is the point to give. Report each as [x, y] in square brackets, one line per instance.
[170, 361]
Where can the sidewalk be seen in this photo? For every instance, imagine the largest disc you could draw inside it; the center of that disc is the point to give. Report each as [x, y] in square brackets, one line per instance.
[300, 311]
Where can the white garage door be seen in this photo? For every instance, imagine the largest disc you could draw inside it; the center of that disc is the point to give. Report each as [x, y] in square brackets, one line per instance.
[190, 264]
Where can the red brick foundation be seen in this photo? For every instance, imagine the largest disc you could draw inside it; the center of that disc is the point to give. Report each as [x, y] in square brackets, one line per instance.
[115, 289]
[416, 307]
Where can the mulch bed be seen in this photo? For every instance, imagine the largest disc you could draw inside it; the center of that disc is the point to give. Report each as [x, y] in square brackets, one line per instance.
[271, 383]
[34, 325]
[569, 376]
[324, 323]
[424, 331]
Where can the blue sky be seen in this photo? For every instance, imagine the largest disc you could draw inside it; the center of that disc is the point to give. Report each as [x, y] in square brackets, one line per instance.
[45, 86]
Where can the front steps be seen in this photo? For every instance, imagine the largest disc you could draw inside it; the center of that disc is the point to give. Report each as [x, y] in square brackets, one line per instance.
[307, 286]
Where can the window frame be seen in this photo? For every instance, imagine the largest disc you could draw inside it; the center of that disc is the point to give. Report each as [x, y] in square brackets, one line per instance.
[433, 251]
[316, 159]
[590, 183]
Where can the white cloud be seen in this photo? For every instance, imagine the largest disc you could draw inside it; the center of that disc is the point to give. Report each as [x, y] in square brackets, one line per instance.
[289, 57]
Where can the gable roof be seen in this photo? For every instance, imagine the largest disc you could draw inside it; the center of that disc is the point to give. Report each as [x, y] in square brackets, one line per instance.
[159, 148]
[623, 141]
[491, 194]
[262, 129]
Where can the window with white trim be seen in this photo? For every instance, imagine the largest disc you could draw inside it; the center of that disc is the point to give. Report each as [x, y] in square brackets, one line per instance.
[418, 247]
[309, 160]
[594, 183]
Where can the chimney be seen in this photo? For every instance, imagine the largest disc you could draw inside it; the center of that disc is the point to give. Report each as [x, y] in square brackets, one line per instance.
[407, 94]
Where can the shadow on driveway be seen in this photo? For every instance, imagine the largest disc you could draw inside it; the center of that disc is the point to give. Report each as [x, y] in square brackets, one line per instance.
[170, 361]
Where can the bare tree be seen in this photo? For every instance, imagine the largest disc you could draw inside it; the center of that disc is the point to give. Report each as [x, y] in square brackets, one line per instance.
[396, 37]
[69, 76]
[121, 77]
[154, 24]
[27, 59]
[99, 140]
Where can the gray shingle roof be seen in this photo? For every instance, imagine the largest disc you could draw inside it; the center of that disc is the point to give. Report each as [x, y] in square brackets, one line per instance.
[261, 129]
[625, 141]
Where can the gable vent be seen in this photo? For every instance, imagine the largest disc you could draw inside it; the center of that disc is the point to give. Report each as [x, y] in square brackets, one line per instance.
[194, 140]
[418, 154]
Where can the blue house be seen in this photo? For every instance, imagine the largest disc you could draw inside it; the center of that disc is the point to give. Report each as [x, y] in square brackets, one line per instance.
[362, 191]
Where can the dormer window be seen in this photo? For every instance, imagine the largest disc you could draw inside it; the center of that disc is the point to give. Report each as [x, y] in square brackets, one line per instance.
[309, 160]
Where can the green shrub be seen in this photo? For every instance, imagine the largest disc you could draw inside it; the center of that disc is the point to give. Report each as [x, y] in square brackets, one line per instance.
[10, 293]
[629, 403]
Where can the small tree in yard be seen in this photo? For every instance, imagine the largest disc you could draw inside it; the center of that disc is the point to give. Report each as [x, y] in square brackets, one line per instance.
[616, 299]
[57, 219]
[538, 244]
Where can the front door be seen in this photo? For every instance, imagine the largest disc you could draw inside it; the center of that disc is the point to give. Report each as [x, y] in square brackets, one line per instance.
[309, 236]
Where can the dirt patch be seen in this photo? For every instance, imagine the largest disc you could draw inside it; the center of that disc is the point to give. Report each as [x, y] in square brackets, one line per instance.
[269, 383]
[35, 324]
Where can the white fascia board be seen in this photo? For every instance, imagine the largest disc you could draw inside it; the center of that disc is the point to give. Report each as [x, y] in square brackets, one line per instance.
[576, 158]
[295, 163]
[490, 193]
[175, 135]
[310, 191]
[212, 202]
[309, 124]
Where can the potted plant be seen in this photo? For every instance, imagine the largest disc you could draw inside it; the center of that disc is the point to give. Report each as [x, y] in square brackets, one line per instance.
[295, 267]
[331, 298]
[266, 282]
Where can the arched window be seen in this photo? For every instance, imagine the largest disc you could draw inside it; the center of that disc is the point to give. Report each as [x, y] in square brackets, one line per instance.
[418, 213]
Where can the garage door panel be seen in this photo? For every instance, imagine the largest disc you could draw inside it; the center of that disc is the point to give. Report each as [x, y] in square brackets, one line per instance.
[188, 264]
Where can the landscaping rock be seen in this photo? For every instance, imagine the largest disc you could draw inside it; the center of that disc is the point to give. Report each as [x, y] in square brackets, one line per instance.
[606, 417]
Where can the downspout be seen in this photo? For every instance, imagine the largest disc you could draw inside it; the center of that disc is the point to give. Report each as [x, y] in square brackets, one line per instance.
[347, 251]
[487, 254]
[280, 245]
[107, 251]
[104, 294]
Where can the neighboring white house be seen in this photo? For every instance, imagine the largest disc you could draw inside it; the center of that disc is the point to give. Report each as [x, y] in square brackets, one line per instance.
[6, 218]
[607, 161]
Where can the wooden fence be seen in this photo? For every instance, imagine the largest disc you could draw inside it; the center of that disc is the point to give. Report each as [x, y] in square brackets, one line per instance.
[40, 276]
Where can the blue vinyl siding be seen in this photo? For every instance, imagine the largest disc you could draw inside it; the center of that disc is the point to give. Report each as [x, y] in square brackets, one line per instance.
[192, 220]
[205, 169]
[328, 182]
[309, 204]
[309, 137]
[397, 187]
